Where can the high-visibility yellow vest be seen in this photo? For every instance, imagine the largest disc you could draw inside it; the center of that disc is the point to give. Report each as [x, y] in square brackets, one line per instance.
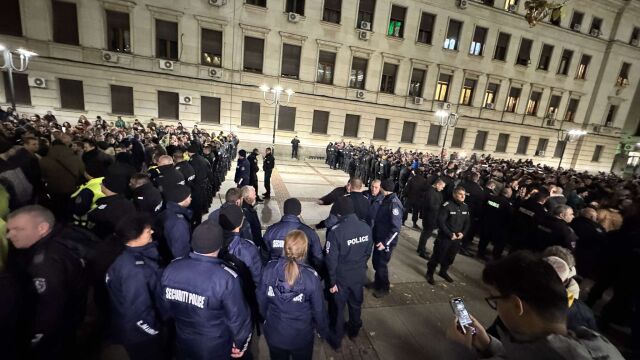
[95, 186]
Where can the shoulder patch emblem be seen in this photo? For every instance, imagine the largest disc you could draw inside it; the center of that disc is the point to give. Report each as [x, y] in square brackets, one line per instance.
[445, 203]
[298, 298]
[395, 211]
[233, 273]
[102, 207]
[270, 291]
[328, 247]
[40, 285]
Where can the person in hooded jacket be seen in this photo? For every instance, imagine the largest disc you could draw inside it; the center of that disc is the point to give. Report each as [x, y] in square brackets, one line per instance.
[231, 219]
[291, 300]
[176, 219]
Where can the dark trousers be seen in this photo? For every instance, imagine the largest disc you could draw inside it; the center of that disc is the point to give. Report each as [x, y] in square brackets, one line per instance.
[351, 296]
[267, 181]
[473, 229]
[425, 234]
[380, 261]
[294, 152]
[414, 209]
[497, 237]
[253, 181]
[303, 353]
[444, 252]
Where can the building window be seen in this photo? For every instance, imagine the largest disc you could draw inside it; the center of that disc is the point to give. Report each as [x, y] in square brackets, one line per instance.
[582, 67]
[425, 32]
[417, 79]
[611, 115]
[596, 26]
[396, 22]
[554, 103]
[211, 47]
[503, 141]
[11, 23]
[286, 118]
[533, 103]
[596, 153]
[560, 145]
[623, 75]
[250, 114]
[545, 57]
[351, 125]
[295, 6]
[576, 20]
[555, 20]
[332, 9]
[366, 10]
[166, 40]
[523, 145]
[65, 23]
[210, 109]
[408, 132]
[512, 99]
[524, 54]
[121, 100]
[320, 122]
[502, 46]
[168, 105]
[491, 95]
[481, 140]
[388, 83]
[542, 146]
[326, 63]
[565, 62]
[572, 107]
[20, 87]
[458, 137]
[434, 134]
[253, 54]
[635, 37]
[453, 35]
[479, 39]
[262, 3]
[358, 73]
[442, 87]
[71, 94]
[118, 32]
[510, 5]
[466, 96]
[291, 61]
[380, 129]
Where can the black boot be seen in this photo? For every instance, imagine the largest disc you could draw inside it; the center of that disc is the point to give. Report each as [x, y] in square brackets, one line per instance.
[444, 275]
[430, 279]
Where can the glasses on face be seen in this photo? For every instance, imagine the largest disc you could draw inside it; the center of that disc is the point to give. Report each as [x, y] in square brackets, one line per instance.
[491, 300]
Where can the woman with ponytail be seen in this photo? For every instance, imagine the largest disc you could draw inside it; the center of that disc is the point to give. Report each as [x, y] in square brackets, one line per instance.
[291, 302]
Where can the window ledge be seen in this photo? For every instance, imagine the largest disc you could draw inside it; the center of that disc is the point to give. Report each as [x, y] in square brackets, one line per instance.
[71, 110]
[256, 7]
[581, 79]
[116, 115]
[479, 57]
[450, 51]
[542, 71]
[395, 38]
[562, 75]
[498, 61]
[423, 44]
[331, 24]
[521, 67]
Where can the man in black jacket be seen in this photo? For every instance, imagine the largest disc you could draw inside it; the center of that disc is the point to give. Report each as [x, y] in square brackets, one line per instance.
[268, 163]
[413, 194]
[251, 215]
[475, 199]
[199, 185]
[430, 207]
[590, 244]
[253, 171]
[497, 213]
[554, 229]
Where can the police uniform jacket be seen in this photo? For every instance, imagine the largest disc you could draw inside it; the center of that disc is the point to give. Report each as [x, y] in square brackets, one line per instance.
[347, 250]
[253, 164]
[247, 252]
[187, 171]
[242, 176]
[108, 212]
[554, 231]
[454, 217]
[474, 197]
[133, 281]
[374, 205]
[497, 213]
[591, 242]
[432, 205]
[291, 312]
[388, 222]
[251, 217]
[177, 231]
[360, 203]
[245, 229]
[268, 163]
[202, 169]
[204, 297]
[275, 234]
[147, 199]
[166, 176]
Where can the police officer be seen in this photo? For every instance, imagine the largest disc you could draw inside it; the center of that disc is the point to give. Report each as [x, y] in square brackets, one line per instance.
[268, 163]
[386, 230]
[110, 208]
[375, 197]
[295, 144]
[414, 193]
[251, 215]
[231, 219]
[183, 166]
[204, 298]
[453, 223]
[84, 200]
[232, 197]
[554, 229]
[133, 282]
[497, 213]
[146, 198]
[253, 171]
[358, 198]
[347, 250]
[243, 171]
[176, 220]
[475, 198]
[526, 219]
[200, 184]
[165, 174]
[431, 207]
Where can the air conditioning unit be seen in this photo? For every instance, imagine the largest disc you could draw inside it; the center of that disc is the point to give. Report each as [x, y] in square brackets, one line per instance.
[186, 99]
[166, 64]
[364, 35]
[462, 4]
[37, 82]
[293, 17]
[490, 106]
[576, 27]
[551, 122]
[217, 2]
[365, 25]
[418, 100]
[595, 32]
[513, 8]
[215, 73]
[109, 57]
[635, 42]
[360, 94]
[445, 106]
[628, 147]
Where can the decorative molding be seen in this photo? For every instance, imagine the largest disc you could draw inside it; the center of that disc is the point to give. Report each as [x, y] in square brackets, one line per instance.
[420, 64]
[254, 31]
[212, 23]
[391, 58]
[447, 69]
[615, 100]
[293, 39]
[118, 5]
[328, 45]
[361, 52]
[160, 12]
[472, 74]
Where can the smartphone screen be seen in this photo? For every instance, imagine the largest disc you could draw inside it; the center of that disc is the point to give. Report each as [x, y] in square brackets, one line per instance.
[462, 314]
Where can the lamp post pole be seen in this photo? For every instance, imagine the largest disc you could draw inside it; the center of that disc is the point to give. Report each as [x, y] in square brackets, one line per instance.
[273, 96]
[11, 66]
[448, 120]
[566, 137]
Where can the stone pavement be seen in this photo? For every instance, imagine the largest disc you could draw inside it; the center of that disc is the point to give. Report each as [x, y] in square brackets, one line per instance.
[411, 322]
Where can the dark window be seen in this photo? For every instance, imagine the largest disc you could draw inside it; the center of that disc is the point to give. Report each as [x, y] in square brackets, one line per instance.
[572, 108]
[168, 106]
[358, 73]
[65, 23]
[554, 103]
[253, 54]
[478, 41]
[250, 114]
[635, 37]
[121, 100]
[71, 94]
[545, 57]
[211, 47]
[491, 95]
[611, 115]
[576, 20]
[542, 146]
[166, 40]
[503, 141]
[623, 76]
[453, 35]
[425, 32]
[287, 118]
[380, 129]
[523, 145]
[434, 134]
[596, 153]
[524, 54]
[534, 103]
[502, 46]
[596, 26]
[295, 6]
[583, 66]
[351, 125]
[118, 32]
[332, 9]
[458, 137]
[262, 3]
[408, 131]
[388, 82]
[557, 19]
[468, 89]
[20, 86]
[512, 99]
[291, 61]
[560, 145]
[210, 109]
[320, 122]
[481, 140]
[326, 64]
[11, 23]
[365, 11]
[417, 79]
[442, 87]
[565, 62]
[396, 22]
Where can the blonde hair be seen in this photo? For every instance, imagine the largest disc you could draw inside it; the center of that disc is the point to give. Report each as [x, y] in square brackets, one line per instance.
[609, 219]
[295, 249]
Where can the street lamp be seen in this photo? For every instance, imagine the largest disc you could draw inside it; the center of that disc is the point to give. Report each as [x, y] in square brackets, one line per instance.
[566, 137]
[448, 120]
[273, 96]
[10, 65]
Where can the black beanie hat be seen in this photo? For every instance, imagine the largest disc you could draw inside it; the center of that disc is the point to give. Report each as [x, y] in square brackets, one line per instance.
[230, 217]
[176, 193]
[387, 185]
[292, 206]
[116, 184]
[242, 153]
[193, 148]
[343, 206]
[207, 238]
